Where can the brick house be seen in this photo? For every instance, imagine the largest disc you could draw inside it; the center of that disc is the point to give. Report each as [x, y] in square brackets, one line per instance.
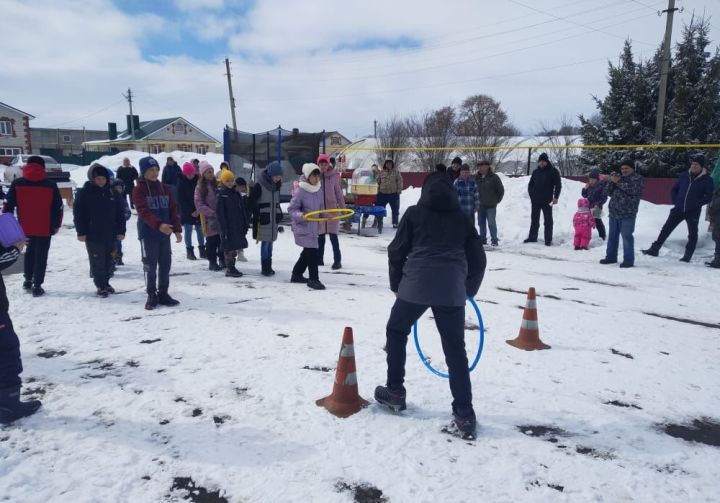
[14, 132]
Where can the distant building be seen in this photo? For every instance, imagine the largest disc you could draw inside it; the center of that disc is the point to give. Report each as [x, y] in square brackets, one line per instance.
[63, 142]
[335, 141]
[14, 132]
[161, 135]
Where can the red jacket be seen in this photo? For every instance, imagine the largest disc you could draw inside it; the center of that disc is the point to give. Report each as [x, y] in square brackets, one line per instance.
[38, 202]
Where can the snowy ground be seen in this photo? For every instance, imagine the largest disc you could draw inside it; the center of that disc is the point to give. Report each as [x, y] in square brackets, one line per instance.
[222, 389]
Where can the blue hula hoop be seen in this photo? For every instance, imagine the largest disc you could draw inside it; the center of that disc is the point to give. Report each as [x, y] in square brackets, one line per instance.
[480, 346]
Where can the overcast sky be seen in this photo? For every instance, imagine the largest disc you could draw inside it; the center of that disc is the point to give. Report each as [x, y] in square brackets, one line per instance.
[317, 64]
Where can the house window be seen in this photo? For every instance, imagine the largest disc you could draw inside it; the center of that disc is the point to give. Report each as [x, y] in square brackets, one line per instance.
[201, 149]
[10, 151]
[67, 138]
[179, 128]
[6, 128]
[335, 140]
[156, 149]
[184, 148]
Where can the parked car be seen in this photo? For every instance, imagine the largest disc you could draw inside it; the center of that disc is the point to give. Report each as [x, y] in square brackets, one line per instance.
[52, 167]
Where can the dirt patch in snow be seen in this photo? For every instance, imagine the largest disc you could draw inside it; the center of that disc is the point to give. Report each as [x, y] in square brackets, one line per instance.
[704, 430]
[684, 320]
[197, 494]
[362, 493]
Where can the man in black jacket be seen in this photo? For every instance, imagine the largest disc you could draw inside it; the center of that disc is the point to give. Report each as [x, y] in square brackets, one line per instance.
[436, 261]
[128, 174]
[544, 189]
[11, 408]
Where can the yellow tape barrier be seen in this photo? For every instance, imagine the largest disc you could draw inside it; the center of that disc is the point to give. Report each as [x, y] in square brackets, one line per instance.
[534, 147]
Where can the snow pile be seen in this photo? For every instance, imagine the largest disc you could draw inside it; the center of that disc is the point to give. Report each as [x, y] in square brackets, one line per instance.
[217, 396]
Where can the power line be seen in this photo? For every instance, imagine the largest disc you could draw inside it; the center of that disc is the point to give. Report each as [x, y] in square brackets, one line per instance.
[88, 115]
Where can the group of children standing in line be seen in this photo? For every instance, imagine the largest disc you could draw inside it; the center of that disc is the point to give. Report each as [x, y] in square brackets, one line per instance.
[219, 208]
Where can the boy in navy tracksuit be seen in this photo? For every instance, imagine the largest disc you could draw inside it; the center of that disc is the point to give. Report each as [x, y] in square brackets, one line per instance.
[11, 408]
[158, 218]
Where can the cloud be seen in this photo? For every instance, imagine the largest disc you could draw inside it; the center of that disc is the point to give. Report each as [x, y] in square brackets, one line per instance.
[193, 5]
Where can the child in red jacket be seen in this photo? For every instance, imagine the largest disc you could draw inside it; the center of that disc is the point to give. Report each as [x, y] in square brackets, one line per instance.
[584, 223]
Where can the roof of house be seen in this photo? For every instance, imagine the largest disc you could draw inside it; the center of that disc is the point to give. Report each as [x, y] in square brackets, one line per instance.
[16, 110]
[147, 128]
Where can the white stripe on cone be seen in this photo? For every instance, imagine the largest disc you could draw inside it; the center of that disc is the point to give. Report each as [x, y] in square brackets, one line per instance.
[531, 304]
[529, 324]
[347, 350]
[350, 379]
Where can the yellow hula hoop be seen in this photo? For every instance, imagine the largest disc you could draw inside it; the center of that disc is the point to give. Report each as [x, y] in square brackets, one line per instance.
[310, 216]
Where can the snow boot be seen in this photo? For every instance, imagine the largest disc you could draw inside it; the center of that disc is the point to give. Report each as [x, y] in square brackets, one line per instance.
[27, 285]
[213, 266]
[394, 398]
[11, 408]
[530, 240]
[164, 299]
[190, 253]
[201, 252]
[483, 241]
[495, 242]
[37, 291]
[653, 251]
[466, 425]
[606, 261]
[102, 293]
[315, 284]
[109, 289]
[379, 224]
[297, 278]
[715, 263]
[151, 302]
[231, 271]
[336, 266]
[267, 267]
[625, 265]
[686, 257]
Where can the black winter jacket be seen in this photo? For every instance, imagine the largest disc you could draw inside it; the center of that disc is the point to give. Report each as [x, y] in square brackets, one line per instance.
[98, 213]
[436, 258]
[171, 174]
[128, 175]
[8, 256]
[545, 185]
[232, 217]
[186, 199]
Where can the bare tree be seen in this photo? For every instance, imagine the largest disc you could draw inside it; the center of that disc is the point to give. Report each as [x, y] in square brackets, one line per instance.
[483, 123]
[564, 135]
[393, 133]
[430, 132]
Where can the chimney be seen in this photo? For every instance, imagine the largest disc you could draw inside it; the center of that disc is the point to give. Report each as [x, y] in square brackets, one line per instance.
[133, 124]
[112, 131]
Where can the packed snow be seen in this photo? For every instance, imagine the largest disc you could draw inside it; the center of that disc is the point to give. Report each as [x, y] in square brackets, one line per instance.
[215, 400]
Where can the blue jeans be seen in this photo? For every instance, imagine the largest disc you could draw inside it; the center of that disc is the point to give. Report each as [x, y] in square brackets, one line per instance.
[394, 201]
[187, 229]
[621, 227]
[266, 249]
[486, 216]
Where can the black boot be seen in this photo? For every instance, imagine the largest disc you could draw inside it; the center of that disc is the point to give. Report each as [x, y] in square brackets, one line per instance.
[298, 278]
[27, 285]
[190, 253]
[119, 260]
[267, 267]
[315, 284]
[379, 224]
[231, 272]
[653, 251]
[201, 252]
[715, 263]
[466, 424]
[686, 257]
[391, 397]
[151, 302]
[11, 408]
[164, 299]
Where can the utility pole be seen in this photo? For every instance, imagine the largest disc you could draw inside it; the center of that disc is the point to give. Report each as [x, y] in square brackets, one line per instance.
[132, 119]
[232, 98]
[664, 67]
[374, 129]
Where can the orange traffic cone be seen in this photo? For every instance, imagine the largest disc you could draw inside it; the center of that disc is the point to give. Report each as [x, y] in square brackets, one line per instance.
[529, 336]
[344, 400]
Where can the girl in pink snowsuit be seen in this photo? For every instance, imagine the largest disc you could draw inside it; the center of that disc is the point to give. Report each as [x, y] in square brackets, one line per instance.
[584, 223]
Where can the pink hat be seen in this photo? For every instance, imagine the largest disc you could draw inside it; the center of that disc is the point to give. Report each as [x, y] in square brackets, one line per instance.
[323, 157]
[583, 203]
[204, 166]
[188, 169]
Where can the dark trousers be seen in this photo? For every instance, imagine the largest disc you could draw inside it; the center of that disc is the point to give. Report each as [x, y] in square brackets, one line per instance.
[308, 260]
[129, 196]
[535, 221]
[212, 248]
[450, 322]
[36, 255]
[10, 363]
[157, 259]
[337, 257]
[600, 226]
[393, 200]
[101, 261]
[674, 219]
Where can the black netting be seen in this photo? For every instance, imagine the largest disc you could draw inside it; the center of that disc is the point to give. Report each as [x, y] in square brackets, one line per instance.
[248, 153]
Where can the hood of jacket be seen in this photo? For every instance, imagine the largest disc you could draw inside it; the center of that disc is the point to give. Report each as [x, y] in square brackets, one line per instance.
[439, 194]
[34, 172]
[266, 181]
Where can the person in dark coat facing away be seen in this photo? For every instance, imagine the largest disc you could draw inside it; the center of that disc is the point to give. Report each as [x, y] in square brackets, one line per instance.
[158, 218]
[692, 190]
[128, 174]
[40, 212]
[436, 261]
[99, 222]
[11, 408]
[544, 190]
[233, 221]
[171, 174]
[189, 215]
